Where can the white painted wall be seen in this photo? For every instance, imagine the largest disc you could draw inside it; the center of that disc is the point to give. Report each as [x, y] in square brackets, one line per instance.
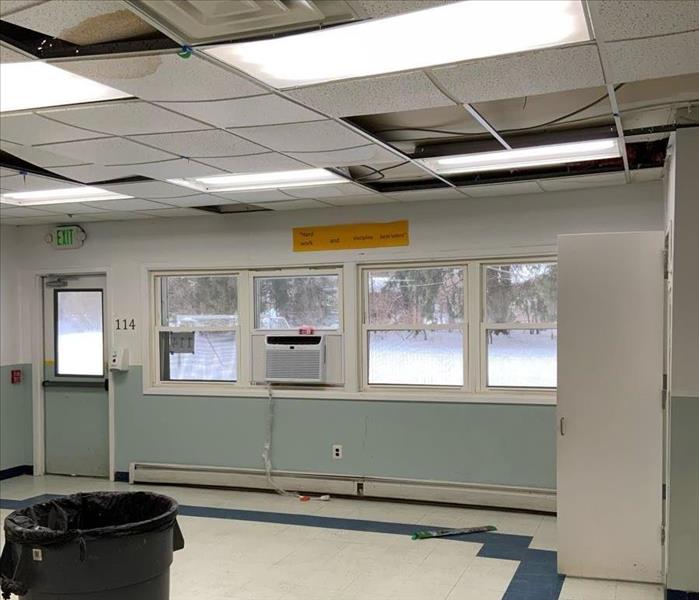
[468, 228]
[9, 296]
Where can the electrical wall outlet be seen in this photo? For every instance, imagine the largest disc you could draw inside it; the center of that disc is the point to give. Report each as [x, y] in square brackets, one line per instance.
[337, 451]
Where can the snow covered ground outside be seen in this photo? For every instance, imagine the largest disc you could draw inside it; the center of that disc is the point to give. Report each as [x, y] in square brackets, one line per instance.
[519, 359]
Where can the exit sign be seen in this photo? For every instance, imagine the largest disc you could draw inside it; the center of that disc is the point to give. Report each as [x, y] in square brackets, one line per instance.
[66, 237]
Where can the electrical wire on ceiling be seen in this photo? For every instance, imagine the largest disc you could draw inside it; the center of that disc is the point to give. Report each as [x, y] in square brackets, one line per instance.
[379, 172]
[546, 124]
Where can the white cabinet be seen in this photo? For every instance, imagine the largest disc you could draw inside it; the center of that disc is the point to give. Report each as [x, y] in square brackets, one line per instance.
[610, 416]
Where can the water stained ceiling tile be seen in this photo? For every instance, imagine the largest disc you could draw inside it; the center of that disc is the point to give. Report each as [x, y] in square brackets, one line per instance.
[81, 22]
[165, 77]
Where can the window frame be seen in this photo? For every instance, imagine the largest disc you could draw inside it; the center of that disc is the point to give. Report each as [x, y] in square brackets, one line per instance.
[366, 327]
[295, 272]
[56, 293]
[157, 327]
[485, 326]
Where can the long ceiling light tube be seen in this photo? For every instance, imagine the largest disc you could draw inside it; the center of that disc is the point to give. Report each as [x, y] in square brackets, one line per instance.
[60, 196]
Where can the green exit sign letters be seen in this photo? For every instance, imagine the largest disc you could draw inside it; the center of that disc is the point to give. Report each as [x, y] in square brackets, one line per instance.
[67, 237]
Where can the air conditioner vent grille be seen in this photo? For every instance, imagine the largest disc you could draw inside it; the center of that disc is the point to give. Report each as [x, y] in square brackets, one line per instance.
[293, 362]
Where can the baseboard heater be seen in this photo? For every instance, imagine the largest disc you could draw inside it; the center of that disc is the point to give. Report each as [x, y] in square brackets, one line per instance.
[428, 491]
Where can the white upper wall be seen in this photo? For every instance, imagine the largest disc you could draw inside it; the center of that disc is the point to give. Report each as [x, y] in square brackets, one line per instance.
[9, 351]
[468, 228]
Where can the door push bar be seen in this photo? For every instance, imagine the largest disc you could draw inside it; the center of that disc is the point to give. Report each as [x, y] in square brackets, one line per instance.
[76, 384]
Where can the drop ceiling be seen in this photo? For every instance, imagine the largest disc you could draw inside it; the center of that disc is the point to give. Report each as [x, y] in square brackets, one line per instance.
[191, 117]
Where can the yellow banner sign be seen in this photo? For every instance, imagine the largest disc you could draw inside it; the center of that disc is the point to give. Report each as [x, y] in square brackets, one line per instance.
[349, 237]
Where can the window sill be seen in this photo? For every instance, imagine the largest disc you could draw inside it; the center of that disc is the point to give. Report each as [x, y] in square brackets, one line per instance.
[402, 395]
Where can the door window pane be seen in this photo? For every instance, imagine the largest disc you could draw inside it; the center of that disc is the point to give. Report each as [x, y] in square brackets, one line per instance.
[521, 357]
[521, 293]
[416, 296]
[292, 302]
[198, 356]
[79, 335]
[416, 357]
[199, 301]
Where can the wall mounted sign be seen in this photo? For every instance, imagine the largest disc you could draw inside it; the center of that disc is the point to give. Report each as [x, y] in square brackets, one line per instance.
[66, 237]
[350, 237]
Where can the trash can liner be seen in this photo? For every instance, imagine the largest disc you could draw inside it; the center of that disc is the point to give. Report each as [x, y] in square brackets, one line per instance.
[94, 515]
[78, 519]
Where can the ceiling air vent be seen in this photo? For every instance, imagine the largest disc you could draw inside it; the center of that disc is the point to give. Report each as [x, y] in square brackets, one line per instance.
[205, 21]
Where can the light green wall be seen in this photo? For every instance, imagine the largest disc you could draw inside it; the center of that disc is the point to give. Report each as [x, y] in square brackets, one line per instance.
[472, 443]
[683, 538]
[15, 418]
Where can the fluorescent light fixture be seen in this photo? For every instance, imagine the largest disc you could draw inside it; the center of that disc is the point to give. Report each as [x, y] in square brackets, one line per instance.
[261, 181]
[436, 36]
[62, 196]
[36, 84]
[534, 156]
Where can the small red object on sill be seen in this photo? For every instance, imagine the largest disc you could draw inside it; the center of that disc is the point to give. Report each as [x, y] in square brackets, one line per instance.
[306, 330]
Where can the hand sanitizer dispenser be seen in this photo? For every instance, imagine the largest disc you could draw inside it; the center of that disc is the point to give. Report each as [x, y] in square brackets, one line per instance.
[119, 359]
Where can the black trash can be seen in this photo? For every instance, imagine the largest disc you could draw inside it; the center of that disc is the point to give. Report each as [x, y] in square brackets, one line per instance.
[97, 546]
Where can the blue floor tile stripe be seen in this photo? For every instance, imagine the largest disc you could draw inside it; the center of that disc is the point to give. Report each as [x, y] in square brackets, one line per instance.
[536, 577]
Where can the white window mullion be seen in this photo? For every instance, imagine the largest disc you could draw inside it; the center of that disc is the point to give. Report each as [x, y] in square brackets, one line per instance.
[246, 317]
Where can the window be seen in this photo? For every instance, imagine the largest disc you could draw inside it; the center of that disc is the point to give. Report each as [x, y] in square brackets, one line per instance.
[79, 337]
[519, 324]
[293, 301]
[197, 327]
[414, 326]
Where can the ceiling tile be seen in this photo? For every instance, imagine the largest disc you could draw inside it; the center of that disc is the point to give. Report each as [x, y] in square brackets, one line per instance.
[35, 183]
[49, 220]
[178, 212]
[433, 194]
[246, 112]
[9, 54]
[582, 181]
[128, 204]
[388, 93]
[92, 173]
[296, 205]
[108, 151]
[329, 191]
[165, 77]
[255, 163]
[368, 154]
[641, 175]
[7, 7]
[317, 136]
[123, 118]
[255, 197]
[150, 190]
[196, 200]
[526, 74]
[29, 129]
[379, 9]
[115, 216]
[199, 144]
[359, 200]
[73, 208]
[178, 167]
[502, 189]
[81, 22]
[651, 57]
[41, 157]
[642, 18]
[23, 212]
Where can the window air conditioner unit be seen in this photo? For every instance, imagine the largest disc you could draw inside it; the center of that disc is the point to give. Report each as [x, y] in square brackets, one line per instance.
[295, 358]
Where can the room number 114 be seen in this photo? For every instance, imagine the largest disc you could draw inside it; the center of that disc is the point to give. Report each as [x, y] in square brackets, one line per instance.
[124, 324]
